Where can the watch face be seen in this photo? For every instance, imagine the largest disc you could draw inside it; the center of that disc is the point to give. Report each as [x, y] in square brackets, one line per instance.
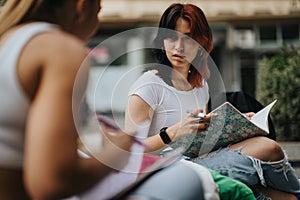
[164, 135]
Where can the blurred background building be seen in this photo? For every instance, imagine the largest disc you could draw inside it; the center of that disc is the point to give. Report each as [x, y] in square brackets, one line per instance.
[244, 31]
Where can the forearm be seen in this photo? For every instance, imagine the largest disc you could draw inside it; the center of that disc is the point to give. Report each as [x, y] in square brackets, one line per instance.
[156, 143]
[76, 178]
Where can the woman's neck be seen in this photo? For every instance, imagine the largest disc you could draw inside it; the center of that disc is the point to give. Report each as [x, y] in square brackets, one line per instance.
[179, 80]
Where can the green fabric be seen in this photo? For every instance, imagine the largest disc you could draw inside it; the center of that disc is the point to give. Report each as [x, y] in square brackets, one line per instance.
[231, 189]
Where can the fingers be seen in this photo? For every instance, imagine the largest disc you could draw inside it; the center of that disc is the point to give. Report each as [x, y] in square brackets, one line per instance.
[209, 116]
[195, 113]
[197, 128]
[197, 124]
[249, 115]
[200, 114]
[191, 124]
[200, 120]
[203, 126]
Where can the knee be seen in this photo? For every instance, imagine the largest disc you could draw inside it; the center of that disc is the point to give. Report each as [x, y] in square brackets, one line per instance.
[261, 148]
[272, 149]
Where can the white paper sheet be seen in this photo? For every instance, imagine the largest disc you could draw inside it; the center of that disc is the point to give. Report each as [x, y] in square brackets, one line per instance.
[260, 119]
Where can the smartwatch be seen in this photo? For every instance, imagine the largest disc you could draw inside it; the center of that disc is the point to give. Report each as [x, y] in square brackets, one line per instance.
[164, 135]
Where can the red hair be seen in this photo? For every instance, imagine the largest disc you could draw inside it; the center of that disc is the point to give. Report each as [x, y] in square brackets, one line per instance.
[200, 32]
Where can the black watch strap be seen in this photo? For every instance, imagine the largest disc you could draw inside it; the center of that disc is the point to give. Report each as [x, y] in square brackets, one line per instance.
[164, 135]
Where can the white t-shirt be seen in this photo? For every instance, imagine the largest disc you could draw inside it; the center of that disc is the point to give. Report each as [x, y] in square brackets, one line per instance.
[169, 104]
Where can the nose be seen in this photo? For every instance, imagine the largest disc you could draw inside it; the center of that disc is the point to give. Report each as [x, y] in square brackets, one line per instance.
[179, 45]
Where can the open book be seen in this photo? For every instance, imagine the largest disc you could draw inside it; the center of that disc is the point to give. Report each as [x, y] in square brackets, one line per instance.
[228, 126]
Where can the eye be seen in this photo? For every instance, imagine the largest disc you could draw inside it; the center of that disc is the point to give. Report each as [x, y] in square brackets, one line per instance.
[172, 37]
[187, 39]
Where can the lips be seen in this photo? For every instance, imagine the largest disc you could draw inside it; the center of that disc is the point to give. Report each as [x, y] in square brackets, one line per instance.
[178, 56]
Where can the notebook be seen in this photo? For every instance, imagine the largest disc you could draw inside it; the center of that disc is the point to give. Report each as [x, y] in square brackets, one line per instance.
[227, 126]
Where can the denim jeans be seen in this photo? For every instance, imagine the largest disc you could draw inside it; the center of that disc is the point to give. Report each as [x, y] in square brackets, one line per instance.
[175, 182]
[251, 171]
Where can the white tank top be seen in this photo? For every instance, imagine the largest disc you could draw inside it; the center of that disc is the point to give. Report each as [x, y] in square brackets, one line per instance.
[14, 104]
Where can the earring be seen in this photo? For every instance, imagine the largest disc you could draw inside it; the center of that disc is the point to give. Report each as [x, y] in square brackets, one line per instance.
[200, 52]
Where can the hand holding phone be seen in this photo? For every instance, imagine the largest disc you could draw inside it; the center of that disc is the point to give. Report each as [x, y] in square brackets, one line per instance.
[202, 118]
[114, 127]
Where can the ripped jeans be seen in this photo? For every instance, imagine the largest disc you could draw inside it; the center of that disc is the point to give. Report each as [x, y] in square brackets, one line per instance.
[251, 171]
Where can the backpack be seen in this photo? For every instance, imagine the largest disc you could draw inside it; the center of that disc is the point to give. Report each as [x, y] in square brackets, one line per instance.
[246, 103]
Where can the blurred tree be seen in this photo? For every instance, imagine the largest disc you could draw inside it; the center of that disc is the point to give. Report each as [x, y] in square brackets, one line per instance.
[279, 78]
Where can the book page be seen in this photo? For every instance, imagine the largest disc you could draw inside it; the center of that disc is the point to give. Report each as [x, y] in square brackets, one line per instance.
[260, 119]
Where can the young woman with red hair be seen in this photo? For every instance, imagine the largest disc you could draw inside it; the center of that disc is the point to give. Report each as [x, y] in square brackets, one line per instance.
[178, 83]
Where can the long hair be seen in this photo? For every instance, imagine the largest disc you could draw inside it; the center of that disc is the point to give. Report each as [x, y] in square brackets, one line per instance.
[18, 11]
[12, 12]
[200, 32]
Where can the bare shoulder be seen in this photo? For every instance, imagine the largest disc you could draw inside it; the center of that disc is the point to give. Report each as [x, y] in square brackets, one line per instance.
[57, 48]
[62, 40]
[60, 56]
